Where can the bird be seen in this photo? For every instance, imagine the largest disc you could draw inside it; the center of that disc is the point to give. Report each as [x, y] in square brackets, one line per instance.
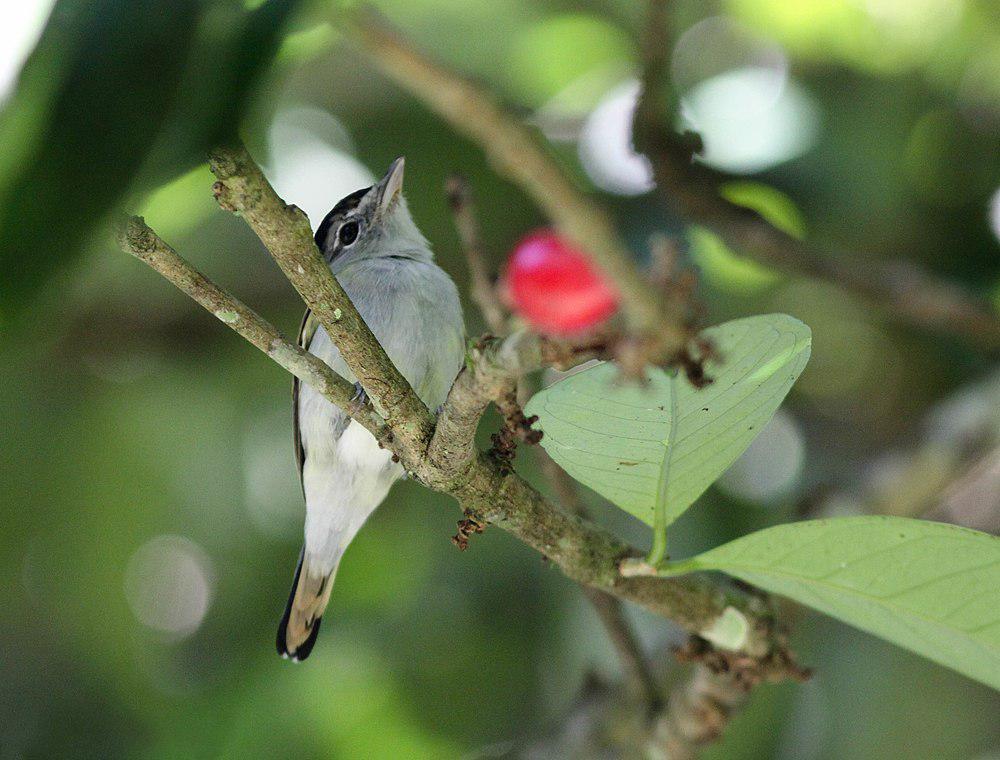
[385, 265]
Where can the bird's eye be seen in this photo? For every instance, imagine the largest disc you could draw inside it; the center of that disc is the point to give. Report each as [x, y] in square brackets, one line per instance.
[348, 233]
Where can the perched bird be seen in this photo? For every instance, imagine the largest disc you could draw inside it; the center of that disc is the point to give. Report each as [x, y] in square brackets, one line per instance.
[386, 267]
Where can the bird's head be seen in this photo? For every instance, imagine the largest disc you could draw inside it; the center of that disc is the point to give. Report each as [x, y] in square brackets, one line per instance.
[373, 222]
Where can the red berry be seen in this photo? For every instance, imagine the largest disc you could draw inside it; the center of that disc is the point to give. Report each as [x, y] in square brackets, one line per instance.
[555, 287]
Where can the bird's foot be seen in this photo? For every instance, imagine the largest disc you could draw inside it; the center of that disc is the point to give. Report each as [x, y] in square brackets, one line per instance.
[359, 400]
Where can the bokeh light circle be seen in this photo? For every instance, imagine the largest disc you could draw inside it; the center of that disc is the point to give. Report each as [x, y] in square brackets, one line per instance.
[605, 146]
[771, 466]
[744, 127]
[994, 213]
[720, 44]
[168, 585]
[311, 161]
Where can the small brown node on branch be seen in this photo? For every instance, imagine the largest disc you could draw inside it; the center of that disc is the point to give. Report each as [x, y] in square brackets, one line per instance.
[515, 427]
[386, 439]
[692, 143]
[516, 421]
[479, 344]
[693, 361]
[503, 449]
[693, 366]
[532, 436]
[467, 527]
[221, 193]
[566, 354]
[746, 671]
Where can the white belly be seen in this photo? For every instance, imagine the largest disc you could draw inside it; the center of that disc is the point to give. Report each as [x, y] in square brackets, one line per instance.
[342, 490]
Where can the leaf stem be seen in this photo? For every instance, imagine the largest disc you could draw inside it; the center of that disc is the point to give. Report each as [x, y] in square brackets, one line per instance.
[681, 567]
[658, 554]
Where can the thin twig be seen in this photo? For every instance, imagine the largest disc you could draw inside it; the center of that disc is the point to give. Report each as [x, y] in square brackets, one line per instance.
[137, 239]
[638, 675]
[910, 296]
[517, 152]
[483, 291]
[609, 610]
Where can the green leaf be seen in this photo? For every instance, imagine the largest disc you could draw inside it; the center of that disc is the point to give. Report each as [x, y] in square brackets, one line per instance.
[770, 203]
[667, 442]
[723, 268]
[116, 98]
[929, 587]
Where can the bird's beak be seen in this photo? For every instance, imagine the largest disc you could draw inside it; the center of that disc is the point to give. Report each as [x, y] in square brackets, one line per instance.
[390, 186]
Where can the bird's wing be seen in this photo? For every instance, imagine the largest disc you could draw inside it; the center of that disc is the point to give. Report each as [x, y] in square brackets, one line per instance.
[306, 332]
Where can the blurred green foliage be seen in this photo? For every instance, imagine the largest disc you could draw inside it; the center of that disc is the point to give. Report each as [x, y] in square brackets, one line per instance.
[118, 95]
[126, 413]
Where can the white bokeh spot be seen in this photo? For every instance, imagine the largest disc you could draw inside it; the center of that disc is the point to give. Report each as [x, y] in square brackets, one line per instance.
[311, 163]
[995, 213]
[749, 123]
[22, 26]
[605, 146]
[168, 585]
[770, 467]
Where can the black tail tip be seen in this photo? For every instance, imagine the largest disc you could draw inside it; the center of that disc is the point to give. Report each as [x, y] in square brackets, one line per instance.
[302, 652]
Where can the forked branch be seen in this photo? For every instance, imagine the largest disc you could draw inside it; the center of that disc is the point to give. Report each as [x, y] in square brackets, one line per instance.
[583, 551]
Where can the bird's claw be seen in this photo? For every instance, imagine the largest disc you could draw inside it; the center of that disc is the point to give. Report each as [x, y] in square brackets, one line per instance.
[359, 400]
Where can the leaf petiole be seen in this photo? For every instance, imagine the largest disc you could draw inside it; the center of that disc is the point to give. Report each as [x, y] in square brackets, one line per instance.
[672, 569]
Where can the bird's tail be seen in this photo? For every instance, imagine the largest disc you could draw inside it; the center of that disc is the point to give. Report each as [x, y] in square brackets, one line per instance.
[309, 596]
